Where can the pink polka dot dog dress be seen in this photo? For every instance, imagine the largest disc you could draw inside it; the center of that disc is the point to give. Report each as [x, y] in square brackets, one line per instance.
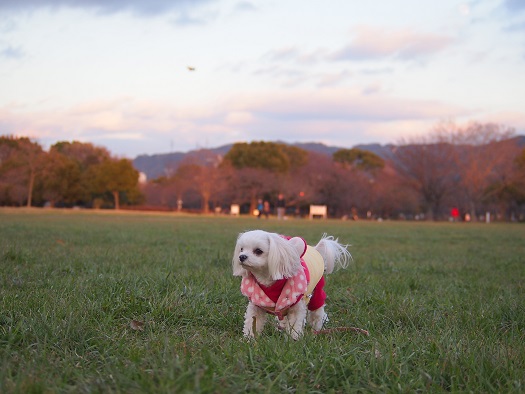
[284, 293]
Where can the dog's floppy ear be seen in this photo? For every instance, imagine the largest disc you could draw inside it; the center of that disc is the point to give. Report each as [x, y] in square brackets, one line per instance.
[284, 259]
[236, 264]
[298, 244]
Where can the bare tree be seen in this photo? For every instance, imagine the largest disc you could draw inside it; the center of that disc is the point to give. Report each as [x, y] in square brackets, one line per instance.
[456, 165]
[390, 198]
[484, 156]
[429, 169]
[200, 178]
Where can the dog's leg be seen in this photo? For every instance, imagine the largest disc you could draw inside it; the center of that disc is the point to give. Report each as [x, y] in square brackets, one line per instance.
[317, 318]
[295, 320]
[260, 320]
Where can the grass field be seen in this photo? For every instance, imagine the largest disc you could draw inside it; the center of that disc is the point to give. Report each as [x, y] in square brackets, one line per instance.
[130, 303]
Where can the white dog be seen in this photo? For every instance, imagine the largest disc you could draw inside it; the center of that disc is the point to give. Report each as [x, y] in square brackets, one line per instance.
[283, 276]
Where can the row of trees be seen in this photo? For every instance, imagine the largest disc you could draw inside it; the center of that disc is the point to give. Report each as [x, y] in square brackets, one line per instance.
[476, 169]
[69, 174]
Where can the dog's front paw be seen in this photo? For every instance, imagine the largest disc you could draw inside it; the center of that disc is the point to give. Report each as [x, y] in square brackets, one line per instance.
[317, 319]
[249, 332]
[295, 335]
[294, 328]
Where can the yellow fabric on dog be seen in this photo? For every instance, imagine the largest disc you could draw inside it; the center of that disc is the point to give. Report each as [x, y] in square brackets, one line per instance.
[315, 263]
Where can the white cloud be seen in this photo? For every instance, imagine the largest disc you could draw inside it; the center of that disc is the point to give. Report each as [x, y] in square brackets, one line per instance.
[374, 42]
[293, 116]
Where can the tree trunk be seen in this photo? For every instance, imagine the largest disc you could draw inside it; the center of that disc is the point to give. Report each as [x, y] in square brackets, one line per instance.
[117, 200]
[30, 187]
[253, 201]
[205, 203]
[473, 215]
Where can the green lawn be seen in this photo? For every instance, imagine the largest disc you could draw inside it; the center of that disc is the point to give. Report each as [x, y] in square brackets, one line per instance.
[444, 304]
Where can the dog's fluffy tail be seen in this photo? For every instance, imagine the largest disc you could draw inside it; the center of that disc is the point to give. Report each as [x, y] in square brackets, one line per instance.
[335, 255]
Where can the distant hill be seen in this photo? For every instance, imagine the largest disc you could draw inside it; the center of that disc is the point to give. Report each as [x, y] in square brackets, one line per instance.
[155, 166]
[317, 147]
[383, 151]
[165, 164]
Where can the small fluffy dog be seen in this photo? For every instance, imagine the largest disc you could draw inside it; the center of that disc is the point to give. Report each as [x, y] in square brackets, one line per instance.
[283, 276]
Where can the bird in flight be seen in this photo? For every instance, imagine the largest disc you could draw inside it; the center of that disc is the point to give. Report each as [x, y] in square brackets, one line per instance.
[191, 68]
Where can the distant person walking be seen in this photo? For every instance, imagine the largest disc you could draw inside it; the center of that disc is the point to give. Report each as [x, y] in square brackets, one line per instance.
[281, 207]
[266, 208]
[263, 208]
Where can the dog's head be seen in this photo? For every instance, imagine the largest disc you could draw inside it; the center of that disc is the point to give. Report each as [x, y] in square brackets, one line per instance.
[268, 256]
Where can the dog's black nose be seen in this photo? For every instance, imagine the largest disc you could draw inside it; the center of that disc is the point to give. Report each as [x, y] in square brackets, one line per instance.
[243, 257]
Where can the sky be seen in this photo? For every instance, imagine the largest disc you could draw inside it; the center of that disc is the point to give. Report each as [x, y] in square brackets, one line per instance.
[159, 76]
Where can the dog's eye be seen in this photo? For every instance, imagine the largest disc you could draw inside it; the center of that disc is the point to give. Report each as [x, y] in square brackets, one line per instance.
[258, 252]
[242, 249]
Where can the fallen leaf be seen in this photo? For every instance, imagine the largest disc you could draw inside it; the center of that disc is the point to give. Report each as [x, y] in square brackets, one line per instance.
[137, 325]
